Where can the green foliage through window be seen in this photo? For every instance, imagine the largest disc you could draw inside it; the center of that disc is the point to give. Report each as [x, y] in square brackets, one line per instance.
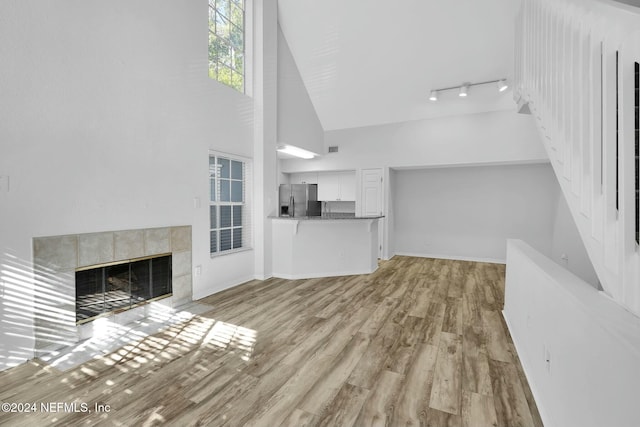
[226, 42]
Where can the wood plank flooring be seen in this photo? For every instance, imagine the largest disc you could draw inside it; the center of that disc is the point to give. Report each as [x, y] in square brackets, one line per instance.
[421, 342]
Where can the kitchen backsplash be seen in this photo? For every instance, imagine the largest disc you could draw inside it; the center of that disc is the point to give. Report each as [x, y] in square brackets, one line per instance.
[339, 207]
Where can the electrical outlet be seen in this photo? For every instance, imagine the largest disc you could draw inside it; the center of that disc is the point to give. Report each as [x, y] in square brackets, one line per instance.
[198, 270]
[547, 359]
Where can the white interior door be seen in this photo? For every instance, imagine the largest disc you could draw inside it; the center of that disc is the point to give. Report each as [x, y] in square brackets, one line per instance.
[372, 199]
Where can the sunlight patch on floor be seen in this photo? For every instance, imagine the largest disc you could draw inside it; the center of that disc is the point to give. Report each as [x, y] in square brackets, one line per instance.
[108, 336]
[226, 335]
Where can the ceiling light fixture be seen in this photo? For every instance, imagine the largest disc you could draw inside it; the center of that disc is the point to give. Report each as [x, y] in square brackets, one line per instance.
[296, 151]
[463, 89]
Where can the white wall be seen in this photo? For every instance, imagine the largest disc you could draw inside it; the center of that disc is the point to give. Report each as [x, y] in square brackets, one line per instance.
[567, 248]
[389, 238]
[298, 123]
[470, 212]
[593, 344]
[265, 196]
[496, 137]
[108, 116]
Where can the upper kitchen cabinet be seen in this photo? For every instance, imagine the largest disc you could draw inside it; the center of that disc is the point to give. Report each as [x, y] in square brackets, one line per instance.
[328, 187]
[348, 186]
[303, 178]
[337, 186]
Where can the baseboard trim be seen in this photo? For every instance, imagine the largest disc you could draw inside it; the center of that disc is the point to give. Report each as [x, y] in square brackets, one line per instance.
[452, 257]
[225, 285]
[318, 275]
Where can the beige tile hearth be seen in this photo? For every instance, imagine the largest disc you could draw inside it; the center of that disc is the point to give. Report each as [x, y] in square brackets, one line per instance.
[95, 248]
[128, 244]
[181, 263]
[59, 253]
[182, 289]
[157, 241]
[180, 239]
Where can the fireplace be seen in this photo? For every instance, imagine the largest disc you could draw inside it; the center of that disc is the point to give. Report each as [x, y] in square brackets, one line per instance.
[121, 285]
[128, 257]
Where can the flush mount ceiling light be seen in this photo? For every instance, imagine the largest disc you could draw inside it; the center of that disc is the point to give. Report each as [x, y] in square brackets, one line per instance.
[463, 89]
[296, 151]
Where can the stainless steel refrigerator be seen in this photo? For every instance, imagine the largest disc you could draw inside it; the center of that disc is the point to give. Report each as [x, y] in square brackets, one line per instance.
[299, 200]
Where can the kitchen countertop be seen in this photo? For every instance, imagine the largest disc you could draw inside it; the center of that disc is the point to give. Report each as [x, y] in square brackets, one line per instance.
[326, 217]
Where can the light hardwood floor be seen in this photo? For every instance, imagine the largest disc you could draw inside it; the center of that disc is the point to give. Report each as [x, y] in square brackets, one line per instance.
[421, 342]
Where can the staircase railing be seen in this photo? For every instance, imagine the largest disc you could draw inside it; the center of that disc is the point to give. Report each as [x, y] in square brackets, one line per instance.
[577, 72]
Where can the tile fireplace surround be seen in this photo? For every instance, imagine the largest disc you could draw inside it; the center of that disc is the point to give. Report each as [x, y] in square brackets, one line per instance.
[56, 259]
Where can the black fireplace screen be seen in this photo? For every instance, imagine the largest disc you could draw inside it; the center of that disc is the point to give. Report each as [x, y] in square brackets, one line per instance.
[109, 288]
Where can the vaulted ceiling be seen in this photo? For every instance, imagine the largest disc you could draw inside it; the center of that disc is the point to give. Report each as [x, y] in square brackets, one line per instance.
[369, 62]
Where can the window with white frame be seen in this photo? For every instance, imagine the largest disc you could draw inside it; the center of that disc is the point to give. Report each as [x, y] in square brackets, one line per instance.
[227, 42]
[229, 207]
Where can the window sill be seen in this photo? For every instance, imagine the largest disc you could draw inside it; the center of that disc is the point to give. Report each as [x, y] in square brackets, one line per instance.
[229, 252]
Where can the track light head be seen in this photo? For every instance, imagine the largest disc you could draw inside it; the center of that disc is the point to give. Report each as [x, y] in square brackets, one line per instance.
[433, 96]
[464, 89]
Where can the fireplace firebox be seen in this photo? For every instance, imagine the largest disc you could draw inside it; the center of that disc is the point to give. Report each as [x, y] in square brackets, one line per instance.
[121, 285]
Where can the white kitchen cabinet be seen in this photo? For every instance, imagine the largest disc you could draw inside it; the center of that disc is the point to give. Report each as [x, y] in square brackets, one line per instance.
[337, 186]
[328, 187]
[348, 186]
[303, 178]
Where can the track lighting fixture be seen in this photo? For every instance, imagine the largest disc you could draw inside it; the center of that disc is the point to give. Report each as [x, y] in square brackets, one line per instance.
[463, 89]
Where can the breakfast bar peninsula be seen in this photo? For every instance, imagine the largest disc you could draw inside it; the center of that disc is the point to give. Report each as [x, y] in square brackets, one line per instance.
[324, 246]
